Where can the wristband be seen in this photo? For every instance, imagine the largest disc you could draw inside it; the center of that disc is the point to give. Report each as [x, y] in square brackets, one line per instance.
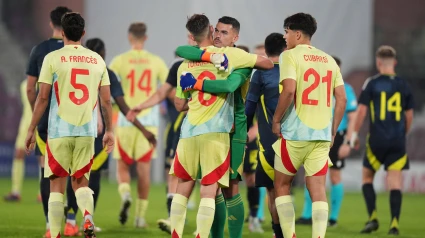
[353, 139]
[206, 56]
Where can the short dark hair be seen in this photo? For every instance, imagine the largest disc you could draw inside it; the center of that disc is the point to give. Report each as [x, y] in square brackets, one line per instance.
[243, 47]
[73, 26]
[274, 44]
[56, 15]
[386, 52]
[337, 60]
[231, 21]
[301, 22]
[138, 29]
[96, 45]
[198, 25]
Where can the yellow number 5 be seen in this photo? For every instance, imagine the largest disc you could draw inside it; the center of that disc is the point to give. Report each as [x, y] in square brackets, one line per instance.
[394, 105]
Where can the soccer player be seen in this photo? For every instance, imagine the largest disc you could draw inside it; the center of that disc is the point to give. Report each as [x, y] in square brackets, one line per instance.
[100, 160]
[205, 130]
[390, 103]
[74, 74]
[33, 71]
[226, 34]
[303, 119]
[263, 95]
[140, 72]
[18, 164]
[260, 50]
[339, 151]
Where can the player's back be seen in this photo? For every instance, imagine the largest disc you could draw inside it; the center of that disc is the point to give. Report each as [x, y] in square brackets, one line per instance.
[316, 74]
[140, 72]
[388, 98]
[76, 74]
[212, 112]
[39, 52]
[265, 89]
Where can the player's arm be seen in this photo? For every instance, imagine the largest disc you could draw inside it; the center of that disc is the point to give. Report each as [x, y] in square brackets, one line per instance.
[32, 77]
[339, 110]
[364, 100]
[254, 93]
[350, 109]
[245, 59]
[288, 77]
[235, 80]
[409, 108]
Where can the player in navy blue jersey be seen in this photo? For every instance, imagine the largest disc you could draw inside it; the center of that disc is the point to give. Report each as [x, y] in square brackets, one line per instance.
[262, 99]
[390, 104]
[100, 159]
[33, 70]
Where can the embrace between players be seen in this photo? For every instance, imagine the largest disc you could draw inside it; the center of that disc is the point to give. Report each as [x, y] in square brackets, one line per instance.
[213, 133]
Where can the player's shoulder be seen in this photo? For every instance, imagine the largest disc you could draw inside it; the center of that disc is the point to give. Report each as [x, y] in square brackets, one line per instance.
[371, 80]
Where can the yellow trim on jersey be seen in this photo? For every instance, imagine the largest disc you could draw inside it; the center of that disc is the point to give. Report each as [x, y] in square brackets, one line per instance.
[253, 159]
[394, 223]
[166, 131]
[178, 121]
[373, 161]
[372, 112]
[399, 164]
[99, 160]
[40, 143]
[268, 169]
[263, 105]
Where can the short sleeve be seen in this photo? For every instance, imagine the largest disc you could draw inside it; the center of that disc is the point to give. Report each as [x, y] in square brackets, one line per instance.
[46, 73]
[179, 91]
[163, 70]
[32, 67]
[410, 104]
[116, 89]
[287, 66]
[172, 74]
[255, 86]
[115, 64]
[240, 59]
[351, 99]
[105, 78]
[366, 95]
[338, 79]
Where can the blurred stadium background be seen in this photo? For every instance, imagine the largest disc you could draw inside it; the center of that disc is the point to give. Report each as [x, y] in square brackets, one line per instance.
[349, 29]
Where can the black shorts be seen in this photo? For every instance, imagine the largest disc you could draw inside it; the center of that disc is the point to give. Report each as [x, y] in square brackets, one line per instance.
[264, 175]
[172, 141]
[251, 157]
[333, 153]
[100, 158]
[391, 154]
[40, 145]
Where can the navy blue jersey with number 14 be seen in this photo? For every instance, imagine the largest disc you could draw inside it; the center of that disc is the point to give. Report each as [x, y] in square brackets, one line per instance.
[388, 98]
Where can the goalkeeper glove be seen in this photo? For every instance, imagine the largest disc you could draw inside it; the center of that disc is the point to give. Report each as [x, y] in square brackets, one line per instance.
[219, 60]
[188, 82]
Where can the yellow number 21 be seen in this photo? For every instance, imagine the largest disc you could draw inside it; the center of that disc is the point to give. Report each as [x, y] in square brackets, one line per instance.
[394, 105]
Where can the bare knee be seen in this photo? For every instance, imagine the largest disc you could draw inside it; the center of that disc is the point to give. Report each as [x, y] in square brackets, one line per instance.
[335, 176]
[250, 179]
[367, 175]
[232, 190]
[19, 154]
[79, 182]
[316, 187]
[209, 191]
[282, 184]
[394, 179]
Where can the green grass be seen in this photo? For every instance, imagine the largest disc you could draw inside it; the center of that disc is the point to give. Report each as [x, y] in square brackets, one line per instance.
[25, 219]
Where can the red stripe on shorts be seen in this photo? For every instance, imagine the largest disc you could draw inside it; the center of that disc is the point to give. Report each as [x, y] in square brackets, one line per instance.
[80, 173]
[217, 173]
[54, 165]
[124, 156]
[57, 92]
[323, 171]
[179, 170]
[146, 157]
[286, 160]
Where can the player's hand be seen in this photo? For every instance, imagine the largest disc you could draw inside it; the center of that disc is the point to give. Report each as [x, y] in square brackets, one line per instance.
[344, 151]
[132, 113]
[150, 137]
[108, 141]
[276, 129]
[30, 142]
[220, 61]
[354, 141]
[189, 82]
